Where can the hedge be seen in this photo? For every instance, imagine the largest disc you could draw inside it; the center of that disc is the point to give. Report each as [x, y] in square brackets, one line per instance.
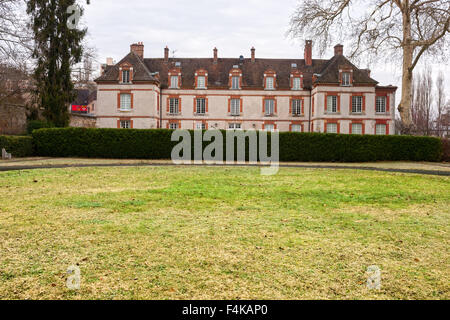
[37, 124]
[301, 147]
[18, 146]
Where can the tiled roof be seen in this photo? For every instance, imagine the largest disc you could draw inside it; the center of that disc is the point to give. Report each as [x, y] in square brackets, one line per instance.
[253, 72]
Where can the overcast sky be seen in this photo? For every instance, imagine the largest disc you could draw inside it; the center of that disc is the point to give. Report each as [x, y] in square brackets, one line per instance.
[192, 28]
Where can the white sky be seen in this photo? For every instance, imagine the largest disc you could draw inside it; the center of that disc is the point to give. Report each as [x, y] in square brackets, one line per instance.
[194, 27]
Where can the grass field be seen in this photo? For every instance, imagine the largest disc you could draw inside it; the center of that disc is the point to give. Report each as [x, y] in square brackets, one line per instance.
[223, 233]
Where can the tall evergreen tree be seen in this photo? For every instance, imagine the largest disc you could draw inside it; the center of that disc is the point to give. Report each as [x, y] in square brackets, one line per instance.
[57, 47]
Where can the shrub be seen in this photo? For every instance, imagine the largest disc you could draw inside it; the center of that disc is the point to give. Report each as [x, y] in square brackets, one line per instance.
[446, 151]
[37, 124]
[18, 146]
[301, 147]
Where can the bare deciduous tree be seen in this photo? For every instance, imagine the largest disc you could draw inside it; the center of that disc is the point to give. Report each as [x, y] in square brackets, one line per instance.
[440, 104]
[406, 28]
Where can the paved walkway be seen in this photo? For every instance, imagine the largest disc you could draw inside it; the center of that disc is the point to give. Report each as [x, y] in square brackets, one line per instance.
[169, 164]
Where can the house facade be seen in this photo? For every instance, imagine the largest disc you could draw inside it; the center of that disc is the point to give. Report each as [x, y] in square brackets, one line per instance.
[302, 95]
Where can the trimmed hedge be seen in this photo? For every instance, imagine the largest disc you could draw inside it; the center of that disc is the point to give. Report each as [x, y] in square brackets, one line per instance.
[18, 146]
[301, 147]
[37, 124]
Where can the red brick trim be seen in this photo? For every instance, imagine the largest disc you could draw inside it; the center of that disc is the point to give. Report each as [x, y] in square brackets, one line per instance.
[270, 74]
[331, 121]
[173, 121]
[125, 67]
[296, 74]
[358, 122]
[357, 94]
[201, 73]
[327, 94]
[173, 97]
[345, 69]
[275, 104]
[269, 122]
[297, 123]
[206, 103]
[385, 122]
[174, 72]
[291, 99]
[388, 100]
[125, 92]
[236, 72]
[240, 103]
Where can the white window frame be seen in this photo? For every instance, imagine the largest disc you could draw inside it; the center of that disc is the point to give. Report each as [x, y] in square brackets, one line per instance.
[173, 126]
[125, 104]
[332, 125]
[200, 126]
[332, 104]
[235, 82]
[297, 107]
[201, 82]
[200, 105]
[125, 124]
[297, 83]
[126, 76]
[380, 104]
[269, 127]
[270, 83]
[296, 128]
[174, 105]
[357, 128]
[357, 104]
[269, 107]
[235, 107]
[346, 76]
[379, 132]
[174, 82]
[235, 126]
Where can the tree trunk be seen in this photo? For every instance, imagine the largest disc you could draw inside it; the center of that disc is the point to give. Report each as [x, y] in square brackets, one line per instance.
[408, 52]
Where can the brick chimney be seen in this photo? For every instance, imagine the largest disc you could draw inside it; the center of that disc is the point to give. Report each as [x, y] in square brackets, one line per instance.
[253, 54]
[138, 48]
[339, 50]
[166, 54]
[308, 52]
[215, 55]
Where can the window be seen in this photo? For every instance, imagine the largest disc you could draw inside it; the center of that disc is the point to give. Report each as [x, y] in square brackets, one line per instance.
[125, 101]
[296, 128]
[235, 126]
[332, 104]
[357, 128]
[201, 126]
[270, 83]
[125, 124]
[173, 126]
[201, 82]
[235, 106]
[269, 127]
[346, 78]
[296, 84]
[235, 83]
[381, 129]
[331, 127]
[269, 107]
[126, 76]
[174, 104]
[174, 82]
[381, 105]
[200, 106]
[357, 102]
[296, 107]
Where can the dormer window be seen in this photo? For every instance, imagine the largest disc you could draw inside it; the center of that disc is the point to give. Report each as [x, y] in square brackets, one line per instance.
[174, 82]
[296, 84]
[126, 76]
[270, 83]
[175, 78]
[235, 78]
[270, 80]
[125, 73]
[201, 79]
[296, 80]
[346, 78]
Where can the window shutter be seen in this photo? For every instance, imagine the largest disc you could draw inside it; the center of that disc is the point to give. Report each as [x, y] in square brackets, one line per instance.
[242, 105]
[206, 102]
[132, 100]
[168, 105]
[364, 104]
[118, 101]
[179, 105]
[291, 101]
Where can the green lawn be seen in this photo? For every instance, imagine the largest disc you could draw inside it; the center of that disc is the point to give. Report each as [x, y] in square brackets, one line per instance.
[223, 233]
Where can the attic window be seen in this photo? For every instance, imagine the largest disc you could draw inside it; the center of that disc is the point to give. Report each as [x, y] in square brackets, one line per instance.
[346, 79]
[270, 83]
[174, 82]
[177, 64]
[126, 76]
[294, 65]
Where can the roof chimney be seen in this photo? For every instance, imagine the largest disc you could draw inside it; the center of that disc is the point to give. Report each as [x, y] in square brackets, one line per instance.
[138, 48]
[253, 54]
[109, 61]
[166, 54]
[339, 50]
[308, 52]
[215, 55]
